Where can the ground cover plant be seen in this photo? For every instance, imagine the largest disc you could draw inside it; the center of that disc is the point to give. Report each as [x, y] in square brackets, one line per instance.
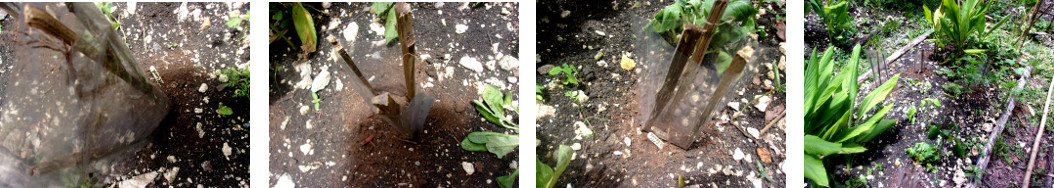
[959, 62]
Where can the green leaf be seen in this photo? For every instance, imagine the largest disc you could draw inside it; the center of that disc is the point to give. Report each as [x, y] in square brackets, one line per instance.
[502, 144]
[480, 137]
[543, 173]
[468, 145]
[814, 170]
[974, 51]
[817, 146]
[381, 7]
[508, 180]
[850, 148]
[305, 28]
[390, 31]
[487, 114]
[563, 158]
[494, 99]
[877, 95]
[224, 110]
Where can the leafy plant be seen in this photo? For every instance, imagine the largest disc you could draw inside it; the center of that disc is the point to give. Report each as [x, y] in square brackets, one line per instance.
[224, 110]
[764, 173]
[953, 89]
[384, 11]
[737, 21]
[493, 107]
[547, 176]
[234, 20]
[567, 70]
[305, 28]
[958, 22]
[911, 114]
[538, 93]
[507, 180]
[499, 144]
[238, 79]
[105, 7]
[315, 100]
[834, 122]
[923, 153]
[835, 15]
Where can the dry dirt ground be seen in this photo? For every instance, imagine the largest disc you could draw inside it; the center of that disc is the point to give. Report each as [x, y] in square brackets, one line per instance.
[620, 154]
[344, 144]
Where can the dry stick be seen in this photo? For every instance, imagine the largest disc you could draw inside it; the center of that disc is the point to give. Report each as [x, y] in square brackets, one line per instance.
[773, 122]
[982, 162]
[405, 27]
[896, 54]
[1039, 134]
[1031, 21]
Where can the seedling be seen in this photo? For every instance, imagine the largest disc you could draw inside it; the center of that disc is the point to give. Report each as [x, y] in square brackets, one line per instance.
[567, 70]
[924, 154]
[508, 180]
[239, 80]
[547, 176]
[497, 143]
[315, 100]
[234, 20]
[224, 110]
[538, 93]
[105, 7]
[492, 107]
[764, 173]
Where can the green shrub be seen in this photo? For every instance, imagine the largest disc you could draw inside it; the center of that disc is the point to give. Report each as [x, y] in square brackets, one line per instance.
[836, 18]
[958, 22]
[834, 122]
[923, 153]
[737, 21]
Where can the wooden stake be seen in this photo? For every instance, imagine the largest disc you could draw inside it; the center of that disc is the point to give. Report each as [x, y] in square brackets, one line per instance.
[1039, 134]
[405, 27]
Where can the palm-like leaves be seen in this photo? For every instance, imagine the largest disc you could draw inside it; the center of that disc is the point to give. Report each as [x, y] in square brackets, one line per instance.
[958, 21]
[831, 125]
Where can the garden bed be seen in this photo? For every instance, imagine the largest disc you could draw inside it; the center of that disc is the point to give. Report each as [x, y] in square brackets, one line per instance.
[619, 153]
[343, 142]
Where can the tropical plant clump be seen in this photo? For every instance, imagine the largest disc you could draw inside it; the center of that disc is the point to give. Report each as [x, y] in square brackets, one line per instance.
[958, 22]
[834, 122]
[835, 15]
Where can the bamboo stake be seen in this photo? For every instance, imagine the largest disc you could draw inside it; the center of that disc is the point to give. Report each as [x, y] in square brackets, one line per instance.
[405, 27]
[1039, 134]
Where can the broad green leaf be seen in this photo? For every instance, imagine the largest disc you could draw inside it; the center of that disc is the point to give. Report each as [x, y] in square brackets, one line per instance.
[494, 99]
[877, 95]
[480, 137]
[502, 144]
[390, 32]
[381, 7]
[850, 148]
[816, 146]
[508, 180]
[563, 158]
[305, 28]
[974, 51]
[468, 145]
[487, 114]
[878, 129]
[543, 173]
[815, 171]
[224, 110]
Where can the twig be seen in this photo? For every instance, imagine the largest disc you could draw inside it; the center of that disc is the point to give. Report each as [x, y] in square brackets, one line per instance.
[982, 161]
[1039, 134]
[773, 122]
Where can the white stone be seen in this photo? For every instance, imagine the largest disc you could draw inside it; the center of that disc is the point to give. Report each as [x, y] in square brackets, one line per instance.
[321, 81]
[351, 32]
[226, 150]
[204, 87]
[284, 181]
[468, 167]
[627, 141]
[306, 148]
[576, 146]
[508, 63]
[655, 140]
[471, 64]
[460, 28]
[734, 105]
[753, 132]
[738, 154]
[303, 110]
[171, 175]
[763, 103]
[141, 180]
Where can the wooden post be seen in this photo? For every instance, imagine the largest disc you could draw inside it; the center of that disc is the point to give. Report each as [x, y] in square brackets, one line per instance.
[405, 27]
